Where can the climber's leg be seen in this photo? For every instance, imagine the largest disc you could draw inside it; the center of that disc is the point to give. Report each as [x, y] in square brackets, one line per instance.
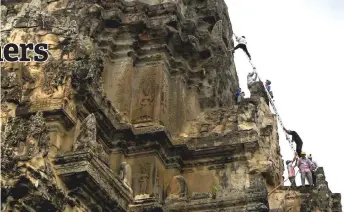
[246, 51]
[314, 179]
[292, 181]
[244, 48]
[239, 99]
[303, 177]
[239, 46]
[309, 178]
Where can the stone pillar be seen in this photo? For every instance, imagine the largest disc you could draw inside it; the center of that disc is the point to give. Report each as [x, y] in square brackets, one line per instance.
[257, 195]
[257, 91]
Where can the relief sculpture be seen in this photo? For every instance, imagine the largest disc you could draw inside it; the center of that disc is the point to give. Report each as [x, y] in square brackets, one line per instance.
[87, 139]
[87, 134]
[177, 188]
[147, 100]
[125, 175]
[144, 177]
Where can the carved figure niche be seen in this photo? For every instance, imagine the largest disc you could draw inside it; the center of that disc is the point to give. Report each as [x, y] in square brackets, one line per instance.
[126, 175]
[87, 139]
[177, 188]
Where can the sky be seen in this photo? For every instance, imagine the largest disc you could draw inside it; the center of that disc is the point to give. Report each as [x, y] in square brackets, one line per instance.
[298, 45]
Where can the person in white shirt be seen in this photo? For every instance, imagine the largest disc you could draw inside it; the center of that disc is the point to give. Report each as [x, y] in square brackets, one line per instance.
[242, 45]
[251, 78]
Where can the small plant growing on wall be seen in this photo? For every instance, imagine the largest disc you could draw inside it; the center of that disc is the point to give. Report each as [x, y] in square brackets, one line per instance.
[213, 191]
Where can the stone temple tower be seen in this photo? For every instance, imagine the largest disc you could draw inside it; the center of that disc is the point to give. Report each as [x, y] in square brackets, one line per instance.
[134, 111]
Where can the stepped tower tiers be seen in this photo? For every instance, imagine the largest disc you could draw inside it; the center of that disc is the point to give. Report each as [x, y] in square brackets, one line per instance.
[135, 111]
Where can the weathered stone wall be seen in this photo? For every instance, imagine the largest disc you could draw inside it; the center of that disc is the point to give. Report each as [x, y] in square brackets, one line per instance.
[134, 111]
[307, 199]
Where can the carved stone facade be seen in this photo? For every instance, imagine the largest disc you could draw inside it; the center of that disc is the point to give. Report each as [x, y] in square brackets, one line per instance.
[135, 111]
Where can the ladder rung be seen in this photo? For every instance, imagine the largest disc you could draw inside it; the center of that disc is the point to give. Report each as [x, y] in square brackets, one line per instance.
[278, 116]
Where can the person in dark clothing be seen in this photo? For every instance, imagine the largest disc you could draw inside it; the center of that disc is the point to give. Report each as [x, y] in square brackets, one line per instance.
[296, 138]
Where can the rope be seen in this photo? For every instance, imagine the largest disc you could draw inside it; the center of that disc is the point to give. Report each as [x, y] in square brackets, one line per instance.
[283, 202]
[287, 192]
[272, 191]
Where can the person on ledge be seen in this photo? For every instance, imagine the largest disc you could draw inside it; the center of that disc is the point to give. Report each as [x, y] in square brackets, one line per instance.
[237, 95]
[241, 97]
[296, 138]
[305, 166]
[314, 169]
[291, 173]
[251, 78]
[242, 45]
[268, 87]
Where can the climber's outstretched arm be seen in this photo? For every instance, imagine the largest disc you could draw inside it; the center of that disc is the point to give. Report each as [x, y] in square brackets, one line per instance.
[287, 131]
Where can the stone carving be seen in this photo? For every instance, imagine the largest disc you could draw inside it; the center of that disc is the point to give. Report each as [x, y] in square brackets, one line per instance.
[26, 169]
[144, 177]
[87, 72]
[24, 139]
[11, 83]
[164, 96]
[92, 21]
[194, 41]
[38, 131]
[224, 179]
[14, 133]
[56, 74]
[88, 134]
[147, 97]
[216, 32]
[126, 175]
[177, 187]
[157, 186]
[87, 139]
[29, 15]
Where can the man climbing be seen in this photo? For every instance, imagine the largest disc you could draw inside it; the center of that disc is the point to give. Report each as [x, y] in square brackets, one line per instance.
[314, 169]
[242, 45]
[296, 138]
[291, 173]
[305, 166]
[251, 78]
[268, 87]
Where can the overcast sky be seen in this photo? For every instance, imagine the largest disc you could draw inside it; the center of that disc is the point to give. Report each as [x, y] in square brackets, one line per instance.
[299, 46]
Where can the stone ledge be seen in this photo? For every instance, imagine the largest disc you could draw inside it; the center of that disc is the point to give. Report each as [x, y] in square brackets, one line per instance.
[109, 123]
[238, 200]
[53, 109]
[158, 142]
[84, 173]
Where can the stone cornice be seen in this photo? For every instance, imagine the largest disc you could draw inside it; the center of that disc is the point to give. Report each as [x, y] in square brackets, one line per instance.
[236, 199]
[83, 170]
[53, 109]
